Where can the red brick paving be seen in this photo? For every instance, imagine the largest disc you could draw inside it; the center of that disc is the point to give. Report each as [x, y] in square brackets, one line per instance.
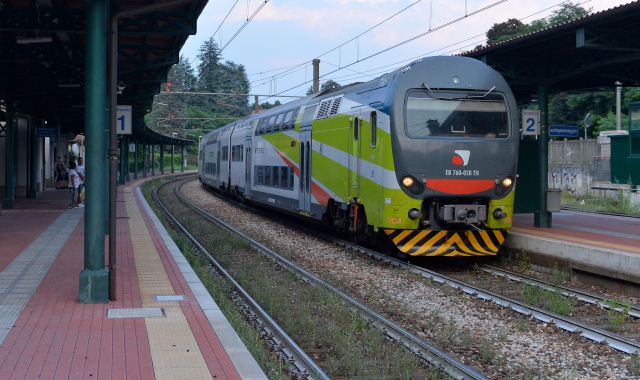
[56, 337]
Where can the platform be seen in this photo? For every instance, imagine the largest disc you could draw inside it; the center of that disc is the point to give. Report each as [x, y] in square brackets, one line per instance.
[46, 333]
[590, 244]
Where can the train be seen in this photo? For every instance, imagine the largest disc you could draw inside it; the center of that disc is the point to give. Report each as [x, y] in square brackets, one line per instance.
[420, 161]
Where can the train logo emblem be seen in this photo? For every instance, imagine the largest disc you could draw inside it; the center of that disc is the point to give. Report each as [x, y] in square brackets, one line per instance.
[461, 157]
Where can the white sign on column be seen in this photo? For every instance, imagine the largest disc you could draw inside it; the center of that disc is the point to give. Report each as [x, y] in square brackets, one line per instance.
[123, 120]
[530, 122]
[132, 147]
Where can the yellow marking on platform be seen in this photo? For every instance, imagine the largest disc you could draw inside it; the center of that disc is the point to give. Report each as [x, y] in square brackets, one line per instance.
[174, 350]
[594, 243]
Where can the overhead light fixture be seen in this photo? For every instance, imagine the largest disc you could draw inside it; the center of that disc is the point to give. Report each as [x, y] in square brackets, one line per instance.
[66, 85]
[34, 40]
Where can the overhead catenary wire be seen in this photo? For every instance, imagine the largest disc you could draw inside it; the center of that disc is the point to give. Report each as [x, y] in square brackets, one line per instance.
[431, 52]
[405, 41]
[245, 24]
[225, 19]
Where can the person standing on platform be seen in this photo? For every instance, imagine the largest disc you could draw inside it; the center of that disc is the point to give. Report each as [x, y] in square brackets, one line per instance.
[58, 171]
[80, 172]
[73, 185]
[65, 169]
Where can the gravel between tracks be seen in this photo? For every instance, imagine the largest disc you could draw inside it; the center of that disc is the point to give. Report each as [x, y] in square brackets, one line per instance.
[537, 351]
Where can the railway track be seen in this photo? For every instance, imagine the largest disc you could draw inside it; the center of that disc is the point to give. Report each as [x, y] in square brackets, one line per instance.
[303, 366]
[574, 325]
[289, 351]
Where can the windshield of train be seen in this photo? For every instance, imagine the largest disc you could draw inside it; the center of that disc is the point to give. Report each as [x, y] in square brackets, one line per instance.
[454, 115]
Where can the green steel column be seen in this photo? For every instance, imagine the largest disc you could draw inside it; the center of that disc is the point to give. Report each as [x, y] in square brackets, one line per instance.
[10, 133]
[173, 148]
[127, 160]
[153, 160]
[542, 217]
[32, 193]
[94, 279]
[182, 158]
[144, 160]
[161, 158]
[121, 180]
[135, 162]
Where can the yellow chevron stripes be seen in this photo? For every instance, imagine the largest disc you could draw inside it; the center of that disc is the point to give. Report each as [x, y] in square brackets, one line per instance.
[448, 243]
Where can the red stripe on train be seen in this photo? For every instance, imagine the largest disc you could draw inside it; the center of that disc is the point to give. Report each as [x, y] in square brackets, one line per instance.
[460, 186]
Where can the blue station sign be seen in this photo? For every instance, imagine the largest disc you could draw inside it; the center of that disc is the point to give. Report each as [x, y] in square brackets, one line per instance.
[563, 131]
[47, 132]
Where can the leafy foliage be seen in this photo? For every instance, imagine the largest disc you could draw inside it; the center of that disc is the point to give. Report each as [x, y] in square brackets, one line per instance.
[328, 85]
[513, 27]
[189, 116]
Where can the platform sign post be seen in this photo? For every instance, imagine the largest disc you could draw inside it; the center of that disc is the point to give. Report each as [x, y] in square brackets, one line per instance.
[123, 120]
[531, 122]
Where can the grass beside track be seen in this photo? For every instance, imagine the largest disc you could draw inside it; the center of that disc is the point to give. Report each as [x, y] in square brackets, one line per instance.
[340, 341]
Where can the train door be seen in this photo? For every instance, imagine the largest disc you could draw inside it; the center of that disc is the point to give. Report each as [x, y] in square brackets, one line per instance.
[306, 148]
[248, 172]
[217, 176]
[354, 155]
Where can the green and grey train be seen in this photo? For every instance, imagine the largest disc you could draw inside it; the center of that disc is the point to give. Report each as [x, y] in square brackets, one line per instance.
[421, 160]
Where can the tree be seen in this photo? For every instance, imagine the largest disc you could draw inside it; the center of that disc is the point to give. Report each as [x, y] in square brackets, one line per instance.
[328, 85]
[514, 27]
[568, 11]
[168, 112]
[507, 28]
[228, 77]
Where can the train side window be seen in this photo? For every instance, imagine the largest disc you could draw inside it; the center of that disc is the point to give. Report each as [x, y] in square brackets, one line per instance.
[260, 175]
[272, 122]
[356, 128]
[284, 177]
[287, 120]
[278, 122]
[276, 178]
[293, 118]
[291, 177]
[374, 129]
[263, 125]
[267, 175]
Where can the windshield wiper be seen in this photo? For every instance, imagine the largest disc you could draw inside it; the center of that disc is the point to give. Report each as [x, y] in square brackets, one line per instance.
[492, 88]
[468, 97]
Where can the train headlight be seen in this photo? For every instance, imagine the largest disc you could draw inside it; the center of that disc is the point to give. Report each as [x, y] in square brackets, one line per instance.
[412, 184]
[456, 80]
[502, 187]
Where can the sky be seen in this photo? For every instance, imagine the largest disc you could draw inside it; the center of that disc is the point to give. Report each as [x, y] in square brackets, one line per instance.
[278, 44]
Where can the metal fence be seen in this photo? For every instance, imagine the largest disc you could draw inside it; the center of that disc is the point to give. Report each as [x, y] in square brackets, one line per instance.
[601, 168]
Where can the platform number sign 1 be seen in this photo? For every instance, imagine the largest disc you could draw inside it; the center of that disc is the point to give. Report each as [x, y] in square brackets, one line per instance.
[123, 120]
[530, 122]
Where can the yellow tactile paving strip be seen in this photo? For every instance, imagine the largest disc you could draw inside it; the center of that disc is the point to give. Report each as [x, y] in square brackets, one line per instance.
[174, 350]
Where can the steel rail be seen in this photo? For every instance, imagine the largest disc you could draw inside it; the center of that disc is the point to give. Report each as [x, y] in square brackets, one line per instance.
[581, 295]
[422, 349]
[288, 350]
[566, 323]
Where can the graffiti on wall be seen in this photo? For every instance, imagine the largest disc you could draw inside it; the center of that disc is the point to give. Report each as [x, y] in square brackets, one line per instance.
[568, 178]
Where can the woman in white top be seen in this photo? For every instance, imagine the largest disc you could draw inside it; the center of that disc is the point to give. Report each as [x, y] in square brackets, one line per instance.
[74, 181]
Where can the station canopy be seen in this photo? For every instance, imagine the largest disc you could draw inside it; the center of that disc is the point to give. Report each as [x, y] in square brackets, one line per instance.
[42, 58]
[584, 54]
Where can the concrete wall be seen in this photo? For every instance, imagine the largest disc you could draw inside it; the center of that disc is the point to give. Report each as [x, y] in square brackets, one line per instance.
[571, 168]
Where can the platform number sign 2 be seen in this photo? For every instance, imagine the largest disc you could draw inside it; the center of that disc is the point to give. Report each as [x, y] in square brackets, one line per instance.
[123, 120]
[530, 122]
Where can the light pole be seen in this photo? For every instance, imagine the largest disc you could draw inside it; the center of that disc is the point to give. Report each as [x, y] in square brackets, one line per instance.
[172, 152]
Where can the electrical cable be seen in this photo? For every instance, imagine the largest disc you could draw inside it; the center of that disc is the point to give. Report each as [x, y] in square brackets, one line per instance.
[225, 18]
[245, 24]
